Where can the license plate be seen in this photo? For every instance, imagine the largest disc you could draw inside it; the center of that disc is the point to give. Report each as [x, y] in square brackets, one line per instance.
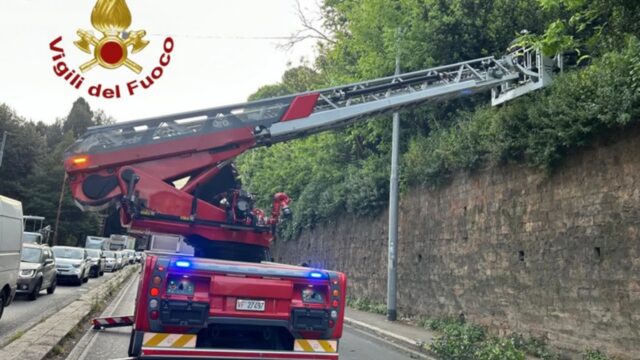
[250, 305]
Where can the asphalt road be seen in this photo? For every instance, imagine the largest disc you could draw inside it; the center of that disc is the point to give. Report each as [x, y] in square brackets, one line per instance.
[113, 343]
[23, 314]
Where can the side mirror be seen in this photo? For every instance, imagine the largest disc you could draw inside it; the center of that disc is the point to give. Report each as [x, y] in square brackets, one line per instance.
[48, 261]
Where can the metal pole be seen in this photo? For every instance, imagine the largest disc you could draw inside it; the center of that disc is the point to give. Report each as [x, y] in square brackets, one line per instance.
[392, 264]
[4, 141]
[55, 231]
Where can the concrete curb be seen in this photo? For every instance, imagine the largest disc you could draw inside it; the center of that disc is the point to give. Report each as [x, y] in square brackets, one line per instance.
[38, 341]
[412, 347]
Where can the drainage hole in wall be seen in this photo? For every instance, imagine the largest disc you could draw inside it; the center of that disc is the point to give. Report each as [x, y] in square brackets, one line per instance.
[521, 255]
[419, 257]
[596, 252]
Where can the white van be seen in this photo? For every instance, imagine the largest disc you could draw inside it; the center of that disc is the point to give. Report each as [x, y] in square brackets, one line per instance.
[10, 247]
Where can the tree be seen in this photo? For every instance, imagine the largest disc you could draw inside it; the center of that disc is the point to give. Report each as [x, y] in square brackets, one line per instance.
[79, 119]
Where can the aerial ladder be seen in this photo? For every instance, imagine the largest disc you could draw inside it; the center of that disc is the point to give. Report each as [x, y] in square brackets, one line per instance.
[174, 175]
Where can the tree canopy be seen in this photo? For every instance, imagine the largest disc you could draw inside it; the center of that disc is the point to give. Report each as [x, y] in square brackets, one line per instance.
[346, 171]
[32, 169]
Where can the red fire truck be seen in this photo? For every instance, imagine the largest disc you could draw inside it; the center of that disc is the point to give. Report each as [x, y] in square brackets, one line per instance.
[214, 293]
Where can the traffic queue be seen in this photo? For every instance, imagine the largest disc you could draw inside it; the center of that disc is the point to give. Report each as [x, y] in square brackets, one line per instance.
[29, 266]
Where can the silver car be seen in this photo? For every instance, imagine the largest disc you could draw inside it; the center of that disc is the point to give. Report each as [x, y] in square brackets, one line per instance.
[37, 271]
[110, 261]
[72, 263]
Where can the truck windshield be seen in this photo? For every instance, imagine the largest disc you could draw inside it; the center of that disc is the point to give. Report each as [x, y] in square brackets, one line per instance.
[31, 238]
[109, 254]
[68, 253]
[31, 255]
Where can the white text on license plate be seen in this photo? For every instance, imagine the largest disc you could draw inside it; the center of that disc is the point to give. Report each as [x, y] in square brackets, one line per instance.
[250, 305]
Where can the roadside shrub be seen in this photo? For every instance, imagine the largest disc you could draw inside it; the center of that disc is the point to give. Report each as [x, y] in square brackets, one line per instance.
[532, 346]
[438, 324]
[365, 304]
[459, 342]
[498, 349]
[594, 354]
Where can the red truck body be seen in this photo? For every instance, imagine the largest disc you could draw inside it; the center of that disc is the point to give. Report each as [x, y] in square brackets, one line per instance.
[231, 309]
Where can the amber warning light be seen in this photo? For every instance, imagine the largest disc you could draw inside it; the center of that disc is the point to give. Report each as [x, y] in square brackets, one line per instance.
[80, 161]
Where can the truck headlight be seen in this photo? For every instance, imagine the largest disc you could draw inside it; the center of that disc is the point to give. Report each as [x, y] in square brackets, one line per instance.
[76, 265]
[27, 273]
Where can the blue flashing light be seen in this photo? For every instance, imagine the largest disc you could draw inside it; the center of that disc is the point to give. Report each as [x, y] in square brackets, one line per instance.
[183, 264]
[316, 275]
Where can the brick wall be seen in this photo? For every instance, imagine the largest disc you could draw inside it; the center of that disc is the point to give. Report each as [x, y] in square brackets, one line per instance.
[554, 255]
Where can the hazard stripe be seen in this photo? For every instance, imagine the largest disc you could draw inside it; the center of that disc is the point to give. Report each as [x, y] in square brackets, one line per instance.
[155, 339]
[306, 345]
[326, 346]
[169, 340]
[183, 340]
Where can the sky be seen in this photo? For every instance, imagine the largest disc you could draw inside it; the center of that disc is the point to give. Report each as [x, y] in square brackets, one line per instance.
[222, 52]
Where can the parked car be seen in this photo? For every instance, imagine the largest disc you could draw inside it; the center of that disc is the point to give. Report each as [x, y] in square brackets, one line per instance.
[131, 256]
[97, 262]
[37, 270]
[138, 256]
[119, 260]
[10, 245]
[110, 261]
[72, 263]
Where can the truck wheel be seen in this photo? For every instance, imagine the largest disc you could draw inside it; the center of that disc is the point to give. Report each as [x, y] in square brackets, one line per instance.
[79, 281]
[36, 291]
[51, 289]
[101, 273]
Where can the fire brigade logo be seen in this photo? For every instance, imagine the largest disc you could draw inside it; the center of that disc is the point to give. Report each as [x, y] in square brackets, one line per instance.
[112, 18]
[111, 50]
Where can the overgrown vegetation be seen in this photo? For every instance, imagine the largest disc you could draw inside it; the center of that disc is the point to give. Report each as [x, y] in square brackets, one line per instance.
[533, 346]
[347, 171]
[365, 304]
[462, 341]
[594, 354]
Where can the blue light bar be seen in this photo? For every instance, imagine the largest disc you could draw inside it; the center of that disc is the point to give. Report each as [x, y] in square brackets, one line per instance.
[316, 275]
[183, 264]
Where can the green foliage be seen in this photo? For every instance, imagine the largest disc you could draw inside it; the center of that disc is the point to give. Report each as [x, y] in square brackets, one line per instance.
[438, 324]
[595, 25]
[365, 304]
[594, 354]
[539, 129]
[498, 349]
[533, 346]
[347, 171]
[32, 169]
[459, 341]
[462, 341]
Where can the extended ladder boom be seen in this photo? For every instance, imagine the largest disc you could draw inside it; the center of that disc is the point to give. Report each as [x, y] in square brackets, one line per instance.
[136, 163]
[294, 116]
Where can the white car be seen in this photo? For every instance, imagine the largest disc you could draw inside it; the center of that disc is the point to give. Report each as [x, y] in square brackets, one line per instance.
[110, 262]
[72, 263]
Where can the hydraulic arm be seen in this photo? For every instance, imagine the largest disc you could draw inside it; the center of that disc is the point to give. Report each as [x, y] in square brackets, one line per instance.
[173, 174]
